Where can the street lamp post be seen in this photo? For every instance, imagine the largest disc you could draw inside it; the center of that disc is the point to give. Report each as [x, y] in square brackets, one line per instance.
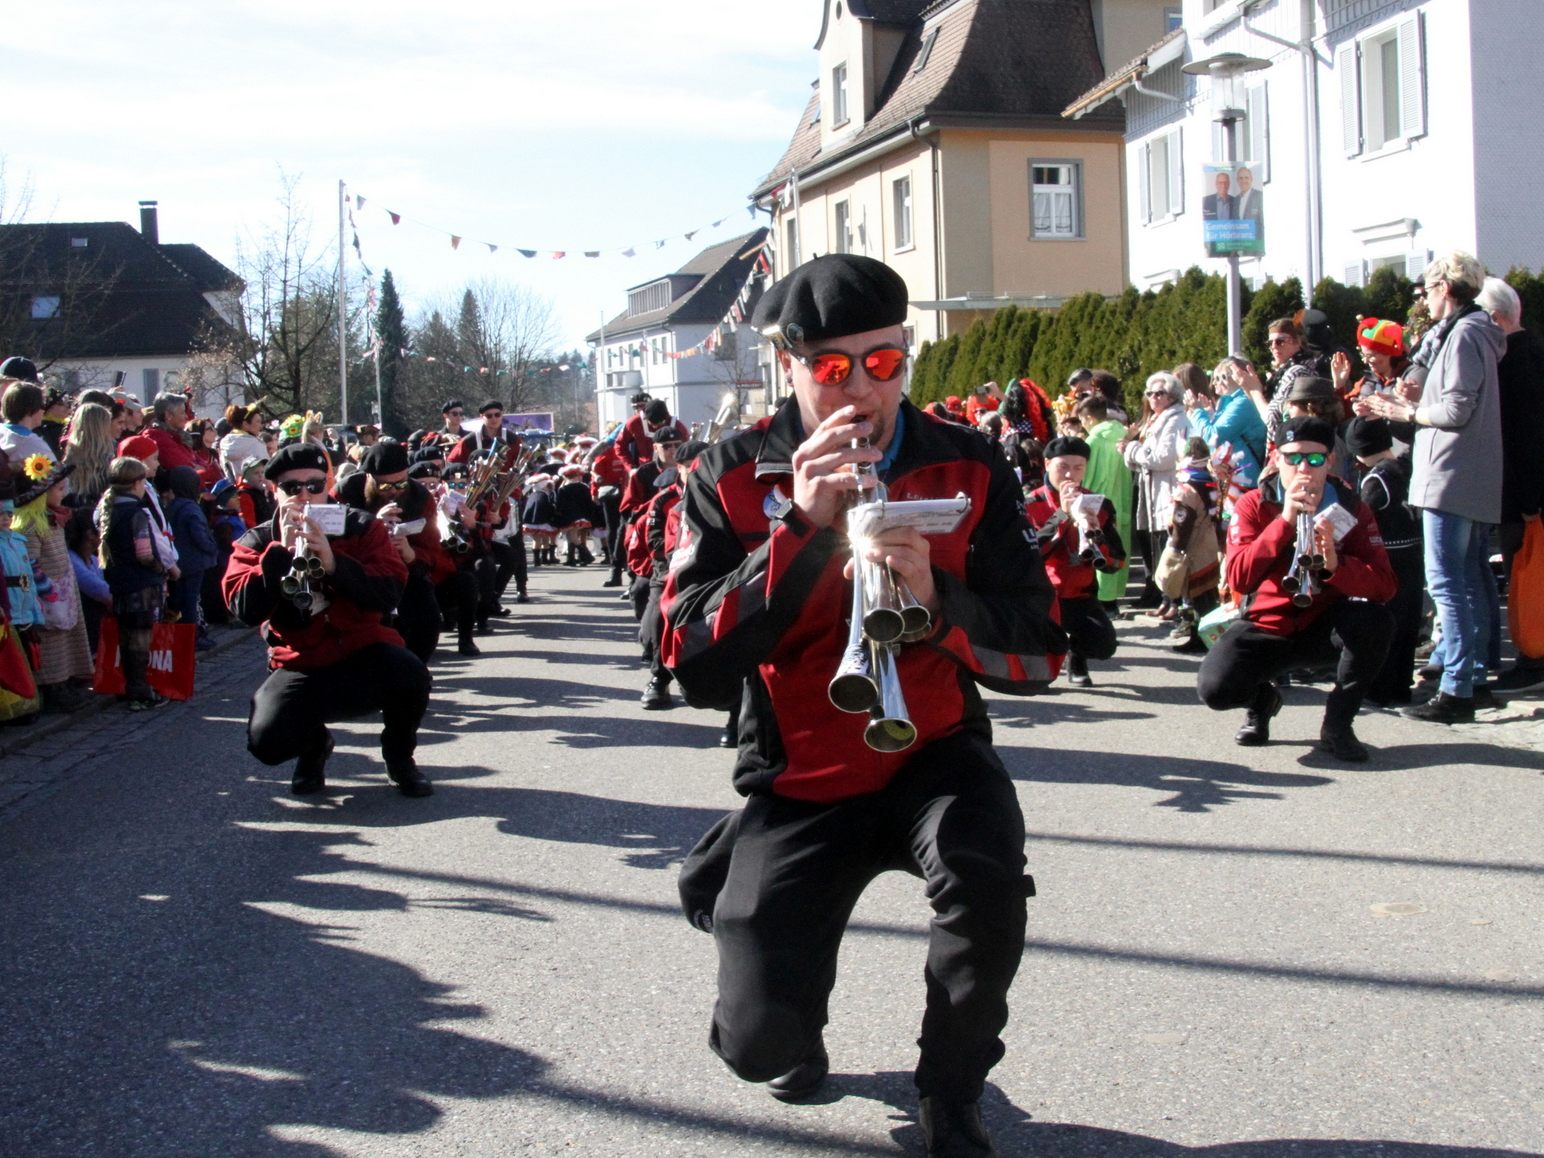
[1227, 70]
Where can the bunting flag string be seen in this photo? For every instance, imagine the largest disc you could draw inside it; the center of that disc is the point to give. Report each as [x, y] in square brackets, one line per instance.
[455, 239]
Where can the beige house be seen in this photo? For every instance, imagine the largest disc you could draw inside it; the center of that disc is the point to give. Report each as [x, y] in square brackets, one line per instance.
[933, 141]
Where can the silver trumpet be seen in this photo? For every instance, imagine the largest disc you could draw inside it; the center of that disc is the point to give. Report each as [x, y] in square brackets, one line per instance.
[884, 614]
[296, 586]
[1302, 579]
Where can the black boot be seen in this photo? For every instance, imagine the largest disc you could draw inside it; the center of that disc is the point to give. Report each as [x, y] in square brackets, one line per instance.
[585, 556]
[1339, 740]
[410, 781]
[656, 697]
[805, 1078]
[1442, 709]
[1077, 671]
[1257, 720]
[310, 770]
[954, 1129]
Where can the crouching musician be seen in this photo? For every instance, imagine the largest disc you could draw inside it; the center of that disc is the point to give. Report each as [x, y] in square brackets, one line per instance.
[756, 596]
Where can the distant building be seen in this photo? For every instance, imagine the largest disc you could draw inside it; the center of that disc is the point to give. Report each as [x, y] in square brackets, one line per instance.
[670, 341]
[933, 141]
[1379, 135]
[92, 300]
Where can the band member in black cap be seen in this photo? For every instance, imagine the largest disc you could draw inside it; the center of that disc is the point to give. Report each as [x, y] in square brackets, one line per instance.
[490, 435]
[756, 595]
[323, 603]
[643, 429]
[632, 435]
[406, 508]
[1308, 600]
[451, 414]
[1077, 539]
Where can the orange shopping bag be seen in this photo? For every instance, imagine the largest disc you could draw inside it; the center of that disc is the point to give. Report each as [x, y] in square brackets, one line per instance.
[171, 660]
[1525, 593]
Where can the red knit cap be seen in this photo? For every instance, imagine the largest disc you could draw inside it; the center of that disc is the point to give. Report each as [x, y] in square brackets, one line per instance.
[140, 446]
[1380, 337]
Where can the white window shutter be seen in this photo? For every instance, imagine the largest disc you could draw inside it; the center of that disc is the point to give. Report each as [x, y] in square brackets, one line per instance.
[1219, 142]
[1176, 174]
[1144, 180]
[1353, 274]
[1259, 143]
[1412, 78]
[1350, 98]
[1416, 263]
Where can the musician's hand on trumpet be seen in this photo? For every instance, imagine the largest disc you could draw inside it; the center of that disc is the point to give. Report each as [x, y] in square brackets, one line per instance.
[1324, 535]
[909, 556]
[824, 483]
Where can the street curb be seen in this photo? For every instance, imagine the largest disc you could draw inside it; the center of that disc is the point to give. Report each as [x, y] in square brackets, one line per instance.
[13, 739]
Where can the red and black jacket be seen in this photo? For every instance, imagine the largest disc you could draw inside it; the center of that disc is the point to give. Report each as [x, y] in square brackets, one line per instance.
[360, 594]
[1260, 549]
[473, 444]
[754, 598]
[430, 558]
[635, 444]
[1061, 543]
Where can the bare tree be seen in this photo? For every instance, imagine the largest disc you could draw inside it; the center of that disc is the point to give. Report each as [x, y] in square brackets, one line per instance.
[287, 345]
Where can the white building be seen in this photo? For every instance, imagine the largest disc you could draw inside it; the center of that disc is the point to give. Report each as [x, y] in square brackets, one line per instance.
[1382, 133]
[679, 339]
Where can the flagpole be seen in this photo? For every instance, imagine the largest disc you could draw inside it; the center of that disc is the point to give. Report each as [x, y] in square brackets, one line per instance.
[342, 314]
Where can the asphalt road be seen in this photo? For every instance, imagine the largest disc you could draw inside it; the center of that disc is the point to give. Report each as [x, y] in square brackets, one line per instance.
[1256, 954]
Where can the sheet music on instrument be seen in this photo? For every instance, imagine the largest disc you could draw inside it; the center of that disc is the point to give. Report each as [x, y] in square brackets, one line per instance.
[330, 518]
[1089, 505]
[1342, 522]
[930, 516]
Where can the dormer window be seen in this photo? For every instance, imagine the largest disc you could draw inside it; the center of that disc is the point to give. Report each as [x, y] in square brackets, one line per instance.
[839, 95]
[926, 50]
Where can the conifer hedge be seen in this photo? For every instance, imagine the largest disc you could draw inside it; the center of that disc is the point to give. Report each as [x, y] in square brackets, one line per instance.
[1136, 333]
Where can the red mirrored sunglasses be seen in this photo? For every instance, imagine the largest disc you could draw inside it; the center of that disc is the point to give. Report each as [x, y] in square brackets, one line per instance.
[882, 363]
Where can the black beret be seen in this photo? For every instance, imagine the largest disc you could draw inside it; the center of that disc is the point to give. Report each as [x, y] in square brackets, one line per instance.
[831, 297]
[295, 456]
[423, 469]
[1307, 430]
[669, 435]
[1369, 436]
[689, 451]
[1062, 446]
[388, 456]
[491, 404]
[429, 452]
[453, 404]
[639, 399]
[656, 413]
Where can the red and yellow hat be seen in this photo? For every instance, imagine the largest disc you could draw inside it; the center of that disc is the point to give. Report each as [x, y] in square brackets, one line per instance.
[1380, 337]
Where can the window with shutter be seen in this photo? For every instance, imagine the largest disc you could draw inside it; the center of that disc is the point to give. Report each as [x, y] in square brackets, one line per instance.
[1412, 81]
[1354, 274]
[1350, 98]
[1258, 138]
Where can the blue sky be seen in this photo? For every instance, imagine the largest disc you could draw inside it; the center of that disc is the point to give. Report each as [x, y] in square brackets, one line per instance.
[581, 124]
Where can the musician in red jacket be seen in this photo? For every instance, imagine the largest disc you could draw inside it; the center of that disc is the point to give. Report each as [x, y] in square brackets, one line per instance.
[639, 433]
[1340, 577]
[1076, 542]
[331, 655]
[756, 598]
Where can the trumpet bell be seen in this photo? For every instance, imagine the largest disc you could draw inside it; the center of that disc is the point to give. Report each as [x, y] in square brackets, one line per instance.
[854, 688]
[889, 728]
[886, 734]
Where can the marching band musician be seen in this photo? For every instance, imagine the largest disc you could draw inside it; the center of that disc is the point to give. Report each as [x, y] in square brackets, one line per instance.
[1076, 544]
[491, 435]
[641, 486]
[651, 561]
[1344, 612]
[459, 593]
[334, 658]
[755, 596]
[382, 487]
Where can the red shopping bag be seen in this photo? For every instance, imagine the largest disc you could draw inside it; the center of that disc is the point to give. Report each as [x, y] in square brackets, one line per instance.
[1525, 592]
[171, 660]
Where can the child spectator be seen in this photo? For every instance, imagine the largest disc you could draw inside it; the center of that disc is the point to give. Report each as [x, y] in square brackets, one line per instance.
[64, 668]
[96, 600]
[227, 526]
[197, 552]
[1386, 489]
[135, 573]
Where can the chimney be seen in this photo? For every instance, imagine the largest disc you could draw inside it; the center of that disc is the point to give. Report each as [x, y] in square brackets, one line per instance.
[149, 228]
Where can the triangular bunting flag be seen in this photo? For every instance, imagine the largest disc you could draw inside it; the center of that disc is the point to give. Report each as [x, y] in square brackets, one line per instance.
[629, 253]
[659, 245]
[559, 254]
[592, 253]
[691, 235]
[526, 252]
[396, 218]
[491, 247]
[455, 242]
[359, 202]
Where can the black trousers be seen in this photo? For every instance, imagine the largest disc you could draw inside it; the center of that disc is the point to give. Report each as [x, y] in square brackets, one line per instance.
[1407, 608]
[795, 873]
[419, 616]
[458, 593]
[291, 710]
[651, 629]
[611, 519]
[1090, 633]
[503, 562]
[1240, 664]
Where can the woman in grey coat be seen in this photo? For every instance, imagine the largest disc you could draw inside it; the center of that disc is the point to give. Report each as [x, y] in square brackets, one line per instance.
[1456, 475]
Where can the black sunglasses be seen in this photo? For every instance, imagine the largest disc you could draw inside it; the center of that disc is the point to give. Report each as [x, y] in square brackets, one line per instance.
[293, 486]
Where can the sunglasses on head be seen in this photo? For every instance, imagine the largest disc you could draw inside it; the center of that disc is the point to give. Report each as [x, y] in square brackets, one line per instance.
[1311, 458]
[400, 485]
[882, 364]
[293, 486]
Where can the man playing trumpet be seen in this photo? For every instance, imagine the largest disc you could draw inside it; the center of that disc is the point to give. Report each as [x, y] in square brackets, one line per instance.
[758, 586]
[1305, 603]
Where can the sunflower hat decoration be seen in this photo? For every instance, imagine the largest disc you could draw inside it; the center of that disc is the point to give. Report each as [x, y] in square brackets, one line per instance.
[37, 467]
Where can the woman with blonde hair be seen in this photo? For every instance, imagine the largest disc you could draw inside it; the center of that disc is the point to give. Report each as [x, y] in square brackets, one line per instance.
[90, 452]
[65, 669]
[1154, 451]
[244, 440]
